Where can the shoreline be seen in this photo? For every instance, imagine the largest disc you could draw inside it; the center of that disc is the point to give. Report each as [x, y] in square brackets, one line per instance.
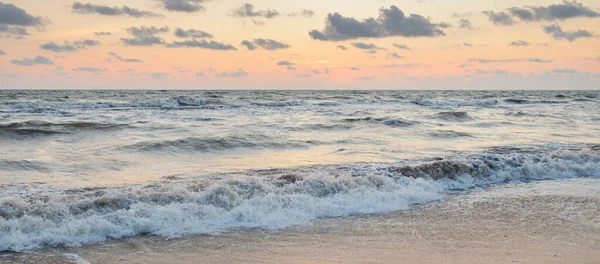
[554, 221]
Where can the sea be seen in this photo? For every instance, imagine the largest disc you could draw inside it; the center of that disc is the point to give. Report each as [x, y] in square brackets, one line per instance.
[80, 167]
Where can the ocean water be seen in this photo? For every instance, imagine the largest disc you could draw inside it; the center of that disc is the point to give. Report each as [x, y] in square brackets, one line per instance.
[81, 167]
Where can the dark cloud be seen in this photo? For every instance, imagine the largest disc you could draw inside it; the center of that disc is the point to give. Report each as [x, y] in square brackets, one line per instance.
[144, 36]
[519, 43]
[2, 52]
[270, 44]
[119, 58]
[395, 56]
[249, 45]
[51, 46]
[285, 63]
[194, 43]
[78, 7]
[86, 43]
[342, 47]
[188, 6]
[13, 30]
[538, 60]
[247, 10]
[193, 33]
[391, 22]
[369, 46]
[401, 46]
[558, 33]
[12, 15]
[444, 25]
[102, 33]
[563, 11]
[465, 24]
[39, 60]
[303, 12]
[499, 18]
[238, 73]
[89, 69]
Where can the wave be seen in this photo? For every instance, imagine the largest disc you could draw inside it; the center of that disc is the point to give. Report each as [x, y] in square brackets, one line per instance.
[450, 134]
[12, 165]
[44, 128]
[201, 206]
[392, 122]
[524, 101]
[455, 103]
[454, 116]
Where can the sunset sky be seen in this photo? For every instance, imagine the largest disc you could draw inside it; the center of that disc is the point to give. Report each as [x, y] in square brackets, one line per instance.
[327, 44]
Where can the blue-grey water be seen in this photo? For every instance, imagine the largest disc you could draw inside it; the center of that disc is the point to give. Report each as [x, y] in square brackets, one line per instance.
[79, 167]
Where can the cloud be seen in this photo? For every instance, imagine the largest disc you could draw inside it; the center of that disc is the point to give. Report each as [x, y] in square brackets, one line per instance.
[249, 45]
[354, 69]
[459, 15]
[342, 47]
[200, 74]
[86, 43]
[78, 7]
[285, 63]
[13, 30]
[465, 24]
[144, 36]
[119, 58]
[519, 43]
[270, 44]
[102, 33]
[558, 33]
[362, 45]
[89, 69]
[8, 75]
[564, 71]
[247, 10]
[395, 56]
[158, 75]
[367, 78]
[194, 43]
[467, 44]
[194, 33]
[2, 52]
[236, 74]
[290, 68]
[563, 11]
[497, 72]
[401, 46]
[39, 60]
[303, 12]
[51, 46]
[12, 15]
[188, 6]
[534, 60]
[500, 18]
[391, 22]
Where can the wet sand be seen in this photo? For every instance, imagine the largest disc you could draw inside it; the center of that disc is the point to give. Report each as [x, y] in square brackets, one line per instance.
[538, 222]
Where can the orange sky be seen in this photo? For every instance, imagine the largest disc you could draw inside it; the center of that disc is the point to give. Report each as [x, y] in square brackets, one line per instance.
[434, 62]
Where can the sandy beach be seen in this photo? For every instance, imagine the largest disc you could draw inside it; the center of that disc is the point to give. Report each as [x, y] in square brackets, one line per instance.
[537, 222]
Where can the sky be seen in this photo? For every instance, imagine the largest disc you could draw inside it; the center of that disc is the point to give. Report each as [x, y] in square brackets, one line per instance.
[292, 44]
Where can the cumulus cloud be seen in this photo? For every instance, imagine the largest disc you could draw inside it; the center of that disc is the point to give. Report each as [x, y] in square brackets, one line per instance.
[565, 10]
[39, 60]
[558, 33]
[188, 6]
[89, 69]
[86, 43]
[102, 33]
[267, 44]
[12, 15]
[247, 10]
[144, 36]
[285, 63]
[119, 58]
[14, 30]
[249, 45]
[194, 43]
[239, 73]
[303, 12]
[499, 18]
[194, 33]
[465, 24]
[81, 8]
[401, 46]
[519, 43]
[391, 22]
[51, 46]
[342, 47]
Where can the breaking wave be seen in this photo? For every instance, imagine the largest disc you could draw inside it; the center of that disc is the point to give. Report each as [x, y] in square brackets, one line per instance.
[277, 200]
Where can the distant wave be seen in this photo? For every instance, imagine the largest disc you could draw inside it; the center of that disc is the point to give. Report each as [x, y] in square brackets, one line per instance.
[455, 103]
[84, 216]
[524, 101]
[392, 122]
[35, 127]
[449, 134]
[454, 116]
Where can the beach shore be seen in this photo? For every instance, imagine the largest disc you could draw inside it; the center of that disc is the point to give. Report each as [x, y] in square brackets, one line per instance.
[537, 222]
